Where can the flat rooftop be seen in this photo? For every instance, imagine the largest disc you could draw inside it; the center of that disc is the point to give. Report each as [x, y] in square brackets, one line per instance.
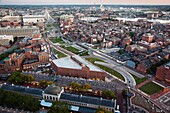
[68, 62]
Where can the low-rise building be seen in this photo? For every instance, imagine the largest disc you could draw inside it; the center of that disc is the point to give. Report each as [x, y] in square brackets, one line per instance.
[77, 67]
[56, 93]
[5, 39]
[163, 73]
[12, 63]
[34, 59]
[148, 37]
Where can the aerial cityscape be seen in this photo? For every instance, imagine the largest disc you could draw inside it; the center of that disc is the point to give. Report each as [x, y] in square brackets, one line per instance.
[75, 56]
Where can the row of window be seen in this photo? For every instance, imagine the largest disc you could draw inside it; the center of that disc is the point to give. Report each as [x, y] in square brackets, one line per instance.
[86, 105]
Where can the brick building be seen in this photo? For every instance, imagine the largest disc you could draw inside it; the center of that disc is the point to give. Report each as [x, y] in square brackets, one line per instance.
[12, 63]
[163, 73]
[78, 67]
[148, 37]
[34, 59]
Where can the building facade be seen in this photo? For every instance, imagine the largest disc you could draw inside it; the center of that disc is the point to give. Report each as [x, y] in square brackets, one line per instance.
[77, 67]
[5, 39]
[19, 31]
[163, 73]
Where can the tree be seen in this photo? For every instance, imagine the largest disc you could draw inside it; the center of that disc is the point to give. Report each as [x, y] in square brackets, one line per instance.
[10, 42]
[76, 86]
[45, 83]
[15, 39]
[102, 110]
[60, 107]
[30, 78]
[131, 34]
[19, 78]
[19, 101]
[108, 94]
[87, 86]
[124, 92]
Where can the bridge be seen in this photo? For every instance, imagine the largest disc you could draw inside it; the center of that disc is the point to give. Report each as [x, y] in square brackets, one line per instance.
[48, 17]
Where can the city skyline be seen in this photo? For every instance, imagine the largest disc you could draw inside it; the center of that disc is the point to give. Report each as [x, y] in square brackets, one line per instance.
[71, 2]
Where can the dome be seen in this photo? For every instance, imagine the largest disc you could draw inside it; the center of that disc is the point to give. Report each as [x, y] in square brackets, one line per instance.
[53, 89]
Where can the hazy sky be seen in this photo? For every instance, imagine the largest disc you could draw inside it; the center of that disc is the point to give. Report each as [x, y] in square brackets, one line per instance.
[124, 2]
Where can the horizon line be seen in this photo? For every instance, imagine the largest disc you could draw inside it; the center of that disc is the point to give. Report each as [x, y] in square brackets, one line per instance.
[93, 4]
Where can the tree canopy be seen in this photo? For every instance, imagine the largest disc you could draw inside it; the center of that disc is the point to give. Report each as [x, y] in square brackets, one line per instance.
[19, 101]
[45, 83]
[108, 94]
[102, 110]
[19, 78]
[77, 86]
[60, 107]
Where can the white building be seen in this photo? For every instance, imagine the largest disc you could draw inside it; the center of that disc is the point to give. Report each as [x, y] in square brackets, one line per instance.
[67, 17]
[152, 14]
[55, 93]
[33, 19]
[18, 31]
[12, 18]
[4, 39]
[52, 93]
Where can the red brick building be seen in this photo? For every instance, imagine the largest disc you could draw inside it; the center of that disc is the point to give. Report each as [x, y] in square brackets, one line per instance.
[148, 38]
[126, 41]
[163, 73]
[12, 63]
[77, 67]
[35, 59]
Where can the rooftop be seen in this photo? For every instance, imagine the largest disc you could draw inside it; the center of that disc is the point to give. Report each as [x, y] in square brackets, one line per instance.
[53, 89]
[68, 62]
[87, 99]
[22, 89]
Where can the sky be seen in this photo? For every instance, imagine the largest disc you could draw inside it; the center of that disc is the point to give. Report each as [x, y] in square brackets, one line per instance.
[65, 2]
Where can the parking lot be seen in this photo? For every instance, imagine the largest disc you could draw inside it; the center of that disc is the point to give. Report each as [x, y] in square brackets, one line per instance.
[65, 81]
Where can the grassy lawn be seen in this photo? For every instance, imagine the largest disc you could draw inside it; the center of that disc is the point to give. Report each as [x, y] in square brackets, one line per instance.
[138, 80]
[111, 71]
[71, 49]
[84, 53]
[57, 40]
[60, 55]
[92, 60]
[151, 88]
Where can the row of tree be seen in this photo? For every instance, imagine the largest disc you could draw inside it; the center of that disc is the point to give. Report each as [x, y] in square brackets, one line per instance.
[19, 78]
[105, 93]
[18, 101]
[78, 87]
[45, 83]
